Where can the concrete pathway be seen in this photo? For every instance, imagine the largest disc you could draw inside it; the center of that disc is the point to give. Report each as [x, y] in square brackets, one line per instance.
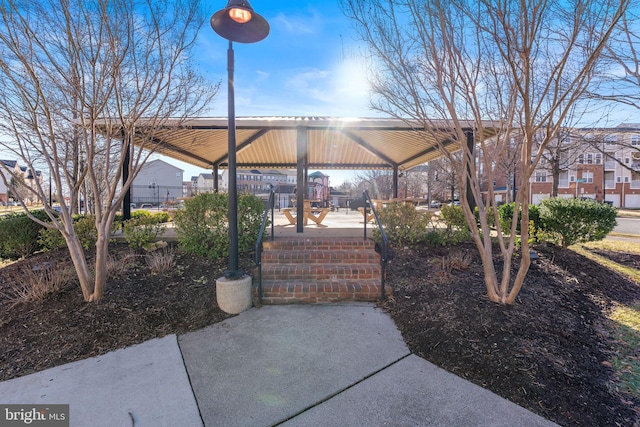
[299, 365]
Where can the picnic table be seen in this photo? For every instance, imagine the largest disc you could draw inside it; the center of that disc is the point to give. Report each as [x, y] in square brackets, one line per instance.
[312, 213]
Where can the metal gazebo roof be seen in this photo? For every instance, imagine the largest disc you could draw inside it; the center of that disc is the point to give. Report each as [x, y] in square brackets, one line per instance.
[273, 142]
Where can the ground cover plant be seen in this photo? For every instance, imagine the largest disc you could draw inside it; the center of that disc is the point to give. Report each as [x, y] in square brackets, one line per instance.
[556, 351]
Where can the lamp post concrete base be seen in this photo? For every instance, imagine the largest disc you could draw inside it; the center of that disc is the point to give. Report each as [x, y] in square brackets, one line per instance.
[234, 296]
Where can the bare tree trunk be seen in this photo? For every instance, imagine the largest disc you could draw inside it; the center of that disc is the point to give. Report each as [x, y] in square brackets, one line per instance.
[82, 268]
[102, 256]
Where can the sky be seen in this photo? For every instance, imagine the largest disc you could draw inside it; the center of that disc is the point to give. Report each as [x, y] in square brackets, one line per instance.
[307, 66]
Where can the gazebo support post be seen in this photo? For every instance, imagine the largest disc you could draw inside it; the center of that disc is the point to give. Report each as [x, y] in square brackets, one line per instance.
[216, 184]
[301, 148]
[395, 181]
[470, 146]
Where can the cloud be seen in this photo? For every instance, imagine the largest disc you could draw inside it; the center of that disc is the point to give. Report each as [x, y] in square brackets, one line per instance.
[341, 90]
[311, 83]
[299, 24]
[262, 75]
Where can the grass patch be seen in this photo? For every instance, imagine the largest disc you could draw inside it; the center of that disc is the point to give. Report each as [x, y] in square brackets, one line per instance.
[628, 213]
[624, 319]
[614, 245]
[629, 272]
[625, 325]
[5, 262]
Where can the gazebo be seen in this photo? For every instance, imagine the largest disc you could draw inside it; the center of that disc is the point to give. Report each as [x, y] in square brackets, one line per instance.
[307, 142]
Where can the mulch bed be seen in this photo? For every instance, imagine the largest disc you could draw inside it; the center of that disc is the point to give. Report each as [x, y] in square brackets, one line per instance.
[549, 352]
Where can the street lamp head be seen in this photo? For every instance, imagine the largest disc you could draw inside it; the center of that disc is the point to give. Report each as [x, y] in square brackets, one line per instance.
[238, 22]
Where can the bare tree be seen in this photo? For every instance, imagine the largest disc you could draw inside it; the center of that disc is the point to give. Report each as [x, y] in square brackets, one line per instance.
[68, 65]
[458, 69]
[378, 182]
[619, 77]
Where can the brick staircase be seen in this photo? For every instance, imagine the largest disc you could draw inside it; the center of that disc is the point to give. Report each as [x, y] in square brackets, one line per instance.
[317, 270]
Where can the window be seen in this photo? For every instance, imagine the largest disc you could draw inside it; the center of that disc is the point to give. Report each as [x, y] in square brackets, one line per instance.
[587, 177]
[618, 179]
[635, 139]
[541, 177]
[590, 158]
[611, 139]
[581, 158]
[598, 158]
[626, 160]
[626, 179]
[572, 178]
[563, 179]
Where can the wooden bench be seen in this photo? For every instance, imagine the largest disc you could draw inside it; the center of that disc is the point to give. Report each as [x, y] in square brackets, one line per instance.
[309, 214]
[368, 216]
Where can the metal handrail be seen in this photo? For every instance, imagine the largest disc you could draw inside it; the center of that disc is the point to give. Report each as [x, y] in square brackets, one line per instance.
[385, 242]
[258, 248]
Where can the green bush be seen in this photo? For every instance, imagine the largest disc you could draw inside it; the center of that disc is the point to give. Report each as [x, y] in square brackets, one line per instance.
[202, 227]
[141, 231]
[457, 229]
[490, 218]
[453, 218]
[250, 211]
[402, 223]
[571, 221]
[505, 214]
[161, 217]
[19, 234]
[85, 229]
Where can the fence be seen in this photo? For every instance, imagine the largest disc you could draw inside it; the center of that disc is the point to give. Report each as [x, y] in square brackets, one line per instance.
[158, 195]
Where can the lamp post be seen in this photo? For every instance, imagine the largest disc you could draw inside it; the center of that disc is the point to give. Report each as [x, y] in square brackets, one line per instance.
[237, 22]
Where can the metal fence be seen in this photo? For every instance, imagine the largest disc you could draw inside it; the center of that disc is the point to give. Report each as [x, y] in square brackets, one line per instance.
[156, 195]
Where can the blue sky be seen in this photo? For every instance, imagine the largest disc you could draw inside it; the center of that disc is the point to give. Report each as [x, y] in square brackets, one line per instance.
[307, 66]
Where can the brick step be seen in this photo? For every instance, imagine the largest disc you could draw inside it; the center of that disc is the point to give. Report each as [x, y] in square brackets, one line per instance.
[295, 256]
[318, 243]
[335, 272]
[312, 292]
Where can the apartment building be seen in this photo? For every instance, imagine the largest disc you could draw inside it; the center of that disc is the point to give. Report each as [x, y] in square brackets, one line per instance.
[597, 163]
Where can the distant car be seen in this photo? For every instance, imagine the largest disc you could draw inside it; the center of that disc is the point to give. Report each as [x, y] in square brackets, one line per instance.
[436, 204]
[57, 209]
[133, 206]
[146, 206]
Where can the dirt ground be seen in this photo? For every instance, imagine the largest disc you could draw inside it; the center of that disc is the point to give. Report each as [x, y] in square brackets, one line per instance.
[549, 352]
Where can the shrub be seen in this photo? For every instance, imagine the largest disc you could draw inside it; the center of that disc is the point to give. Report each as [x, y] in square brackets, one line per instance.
[505, 214]
[19, 234]
[202, 227]
[142, 230]
[117, 266]
[572, 221]
[36, 285]
[250, 211]
[490, 218]
[161, 217]
[161, 261]
[436, 237]
[403, 223]
[85, 229]
[453, 218]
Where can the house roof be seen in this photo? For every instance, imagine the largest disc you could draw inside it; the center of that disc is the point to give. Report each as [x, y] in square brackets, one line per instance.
[163, 163]
[333, 143]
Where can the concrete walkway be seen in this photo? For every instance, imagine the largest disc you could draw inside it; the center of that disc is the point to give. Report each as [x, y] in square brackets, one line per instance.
[299, 365]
